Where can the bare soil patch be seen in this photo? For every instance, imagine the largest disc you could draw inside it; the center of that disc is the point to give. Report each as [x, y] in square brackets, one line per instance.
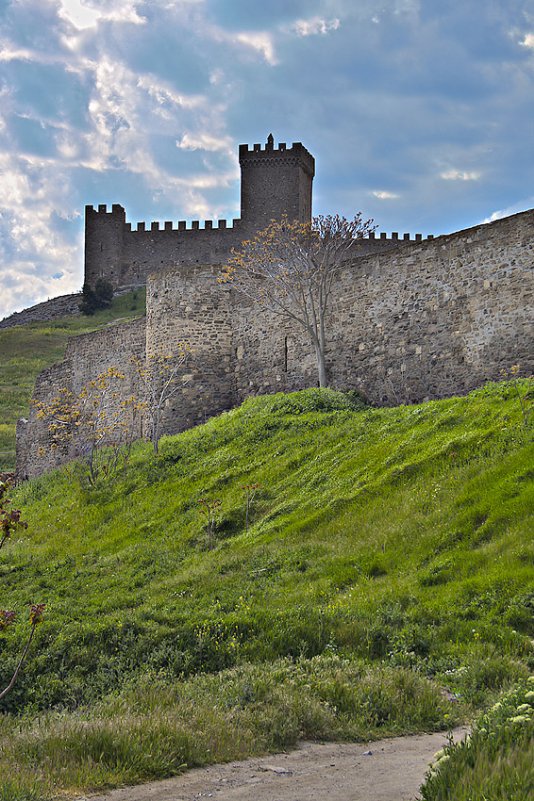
[384, 770]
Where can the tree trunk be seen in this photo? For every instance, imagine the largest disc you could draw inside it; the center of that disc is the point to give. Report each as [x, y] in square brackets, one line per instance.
[321, 365]
[155, 432]
[321, 350]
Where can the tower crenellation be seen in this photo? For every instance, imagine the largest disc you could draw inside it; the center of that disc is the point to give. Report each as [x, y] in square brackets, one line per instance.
[275, 181]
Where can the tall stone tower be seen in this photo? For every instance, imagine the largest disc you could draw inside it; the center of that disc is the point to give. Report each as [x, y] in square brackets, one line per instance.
[275, 181]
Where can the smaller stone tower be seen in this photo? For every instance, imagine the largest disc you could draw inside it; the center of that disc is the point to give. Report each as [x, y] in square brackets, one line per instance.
[104, 237]
[274, 182]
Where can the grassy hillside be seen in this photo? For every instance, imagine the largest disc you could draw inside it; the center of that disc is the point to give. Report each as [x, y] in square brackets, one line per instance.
[389, 556]
[25, 350]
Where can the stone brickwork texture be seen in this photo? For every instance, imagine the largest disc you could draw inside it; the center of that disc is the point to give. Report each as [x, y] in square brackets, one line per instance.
[434, 319]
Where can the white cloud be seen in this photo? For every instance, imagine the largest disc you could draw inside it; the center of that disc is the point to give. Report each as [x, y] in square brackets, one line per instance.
[31, 251]
[88, 14]
[164, 95]
[315, 25]
[522, 205]
[204, 141]
[383, 195]
[10, 53]
[261, 42]
[460, 175]
[528, 41]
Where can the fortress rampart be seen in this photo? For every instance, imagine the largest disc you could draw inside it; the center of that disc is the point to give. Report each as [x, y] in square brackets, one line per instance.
[86, 357]
[437, 318]
[275, 181]
[418, 321]
[126, 254]
[410, 319]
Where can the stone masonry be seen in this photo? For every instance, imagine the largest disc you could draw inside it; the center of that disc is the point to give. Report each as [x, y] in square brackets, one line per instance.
[410, 320]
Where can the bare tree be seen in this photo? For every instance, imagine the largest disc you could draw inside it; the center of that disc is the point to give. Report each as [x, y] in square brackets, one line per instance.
[290, 267]
[99, 421]
[162, 374]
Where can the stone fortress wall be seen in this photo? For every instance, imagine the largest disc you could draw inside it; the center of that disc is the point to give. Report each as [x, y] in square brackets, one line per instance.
[274, 181]
[86, 357]
[435, 319]
[410, 320]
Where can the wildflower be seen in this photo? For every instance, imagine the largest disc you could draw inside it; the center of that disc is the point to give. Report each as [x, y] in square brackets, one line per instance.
[7, 616]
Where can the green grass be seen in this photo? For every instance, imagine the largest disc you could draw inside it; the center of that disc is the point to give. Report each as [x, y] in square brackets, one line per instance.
[390, 555]
[26, 350]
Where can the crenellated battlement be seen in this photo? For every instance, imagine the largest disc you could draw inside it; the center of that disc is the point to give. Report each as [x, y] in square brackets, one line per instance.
[394, 237]
[116, 209]
[181, 225]
[275, 181]
[258, 155]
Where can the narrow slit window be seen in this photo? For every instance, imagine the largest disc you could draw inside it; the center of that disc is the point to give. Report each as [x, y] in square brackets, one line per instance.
[285, 354]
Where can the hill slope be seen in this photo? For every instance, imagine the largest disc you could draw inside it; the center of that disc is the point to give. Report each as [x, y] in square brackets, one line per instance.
[389, 552]
[25, 350]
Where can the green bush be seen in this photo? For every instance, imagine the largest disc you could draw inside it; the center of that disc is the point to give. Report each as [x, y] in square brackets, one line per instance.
[495, 760]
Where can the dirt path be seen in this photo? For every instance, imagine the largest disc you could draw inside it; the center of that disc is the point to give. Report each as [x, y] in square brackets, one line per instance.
[385, 770]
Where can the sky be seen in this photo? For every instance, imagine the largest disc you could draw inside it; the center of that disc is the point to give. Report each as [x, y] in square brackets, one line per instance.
[420, 113]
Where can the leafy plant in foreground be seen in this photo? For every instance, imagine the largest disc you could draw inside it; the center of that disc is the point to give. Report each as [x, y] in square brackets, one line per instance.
[10, 522]
[250, 491]
[163, 378]
[290, 268]
[210, 510]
